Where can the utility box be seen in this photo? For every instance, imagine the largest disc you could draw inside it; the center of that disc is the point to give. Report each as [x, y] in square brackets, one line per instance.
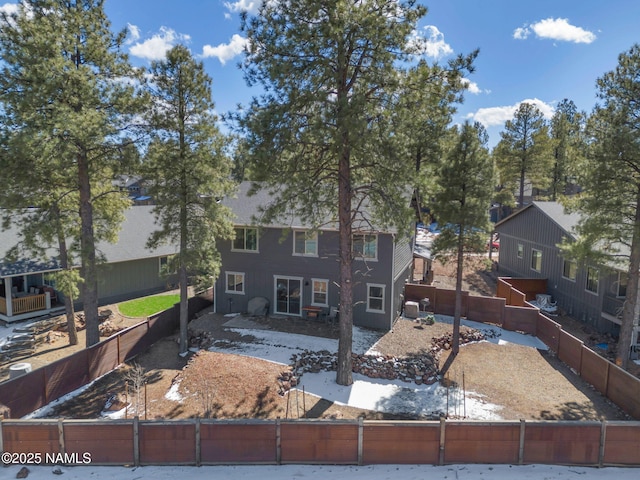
[411, 309]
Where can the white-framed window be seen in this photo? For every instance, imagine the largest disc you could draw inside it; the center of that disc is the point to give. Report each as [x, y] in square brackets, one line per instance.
[375, 297]
[593, 277]
[319, 292]
[569, 270]
[365, 245]
[305, 243]
[234, 283]
[246, 239]
[622, 284]
[536, 260]
[520, 250]
[288, 294]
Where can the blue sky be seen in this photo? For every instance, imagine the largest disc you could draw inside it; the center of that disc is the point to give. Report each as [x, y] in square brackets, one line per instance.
[535, 50]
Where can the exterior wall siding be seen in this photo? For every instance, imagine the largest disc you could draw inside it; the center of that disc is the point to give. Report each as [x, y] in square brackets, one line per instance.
[275, 257]
[534, 230]
[125, 280]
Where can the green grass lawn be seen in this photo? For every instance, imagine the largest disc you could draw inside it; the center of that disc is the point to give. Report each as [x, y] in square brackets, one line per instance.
[145, 306]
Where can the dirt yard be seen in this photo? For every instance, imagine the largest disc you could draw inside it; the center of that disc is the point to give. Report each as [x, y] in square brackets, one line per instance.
[527, 383]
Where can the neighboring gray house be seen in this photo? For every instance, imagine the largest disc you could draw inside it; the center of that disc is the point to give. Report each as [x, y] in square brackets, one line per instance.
[296, 269]
[130, 270]
[528, 248]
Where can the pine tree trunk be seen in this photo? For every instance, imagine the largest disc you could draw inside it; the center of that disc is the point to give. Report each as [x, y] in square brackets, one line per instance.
[88, 253]
[345, 343]
[64, 264]
[457, 312]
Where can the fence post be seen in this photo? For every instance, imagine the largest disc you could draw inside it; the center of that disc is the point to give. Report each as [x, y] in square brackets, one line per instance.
[603, 440]
[442, 440]
[61, 436]
[521, 446]
[360, 439]
[198, 450]
[1, 435]
[136, 445]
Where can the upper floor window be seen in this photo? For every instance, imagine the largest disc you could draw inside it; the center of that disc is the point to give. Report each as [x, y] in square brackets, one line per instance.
[520, 250]
[536, 260]
[593, 275]
[622, 284]
[305, 243]
[246, 240]
[569, 269]
[365, 245]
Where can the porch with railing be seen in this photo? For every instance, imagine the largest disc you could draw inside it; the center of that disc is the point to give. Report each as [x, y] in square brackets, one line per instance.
[24, 304]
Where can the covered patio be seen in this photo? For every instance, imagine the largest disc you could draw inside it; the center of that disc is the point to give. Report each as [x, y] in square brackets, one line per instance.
[26, 296]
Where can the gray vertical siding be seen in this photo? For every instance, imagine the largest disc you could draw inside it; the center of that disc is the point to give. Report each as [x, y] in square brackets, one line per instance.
[535, 230]
[275, 257]
[125, 280]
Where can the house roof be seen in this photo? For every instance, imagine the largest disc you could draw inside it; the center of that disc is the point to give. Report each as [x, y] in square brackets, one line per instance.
[555, 211]
[247, 211]
[138, 225]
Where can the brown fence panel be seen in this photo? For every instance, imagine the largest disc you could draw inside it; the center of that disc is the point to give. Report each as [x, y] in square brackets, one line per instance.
[595, 369]
[227, 443]
[24, 394]
[570, 350]
[131, 340]
[319, 442]
[622, 445]
[623, 389]
[108, 443]
[103, 357]
[485, 309]
[562, 443]
[167, 443]
[163, 324]
[401, 442]
[517, 298]
[528, 286]
[445, 303]
[467, 442]
[520, 319]
[65, 375]
[503, 289]
[31, 437]
[548, 331]
[414, 292]
[199, 302]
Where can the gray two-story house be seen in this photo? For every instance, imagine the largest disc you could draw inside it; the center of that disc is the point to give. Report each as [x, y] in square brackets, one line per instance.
[296, 268]
[529, 242]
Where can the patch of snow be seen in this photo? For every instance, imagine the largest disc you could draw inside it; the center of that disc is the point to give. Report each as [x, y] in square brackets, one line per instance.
[173, 393]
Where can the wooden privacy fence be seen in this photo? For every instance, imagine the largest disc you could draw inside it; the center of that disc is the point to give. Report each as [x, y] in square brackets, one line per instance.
[24, 394]
[616, 384]
[209, 442]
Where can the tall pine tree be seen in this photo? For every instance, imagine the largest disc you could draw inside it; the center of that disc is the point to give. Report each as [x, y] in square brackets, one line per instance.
[64, 90]
[188, 170]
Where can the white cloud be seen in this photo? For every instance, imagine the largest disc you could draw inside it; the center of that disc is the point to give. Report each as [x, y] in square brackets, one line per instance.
[250, 6]
[226, 51]
[156, 47]
[472, 87]
[134, 33]
[493, 116]
[429, 42]
[9, 8]
[555, 29]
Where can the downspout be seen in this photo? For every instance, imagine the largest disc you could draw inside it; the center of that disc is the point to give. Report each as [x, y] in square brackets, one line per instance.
[393, 283]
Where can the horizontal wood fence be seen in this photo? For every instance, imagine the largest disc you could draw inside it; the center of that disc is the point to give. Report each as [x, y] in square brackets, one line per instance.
[22, 395]
[210, 442]
[616, 384]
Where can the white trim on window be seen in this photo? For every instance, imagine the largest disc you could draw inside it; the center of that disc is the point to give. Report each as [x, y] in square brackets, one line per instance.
[309, 243]
[244, 240]
[622, 282]
[292, 299]
[323, 285]
[237, 282]
[536, 260]
[375, 302]
[520, 250]
[363, 244]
